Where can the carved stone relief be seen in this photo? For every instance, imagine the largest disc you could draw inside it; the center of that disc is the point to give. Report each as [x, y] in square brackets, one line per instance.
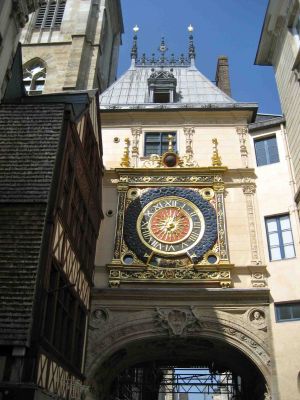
[188, 158]
[98, 318]
[242, 131]
[136, 133]
[249, 187]
[175, 321]
[258, 319]
[258, 279]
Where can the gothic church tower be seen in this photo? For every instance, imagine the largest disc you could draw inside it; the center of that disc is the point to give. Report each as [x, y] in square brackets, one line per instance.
[72, 44]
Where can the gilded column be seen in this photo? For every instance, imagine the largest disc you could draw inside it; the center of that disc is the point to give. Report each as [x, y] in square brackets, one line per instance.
[219, 188]
[122, 191]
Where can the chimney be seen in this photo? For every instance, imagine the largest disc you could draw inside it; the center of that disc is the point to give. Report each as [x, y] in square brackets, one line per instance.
[222, 75]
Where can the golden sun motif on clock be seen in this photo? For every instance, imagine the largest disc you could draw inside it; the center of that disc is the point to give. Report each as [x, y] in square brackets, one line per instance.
[170, 225]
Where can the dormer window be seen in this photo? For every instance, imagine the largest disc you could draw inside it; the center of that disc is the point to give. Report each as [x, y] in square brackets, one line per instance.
[161, 97]
[162, 86]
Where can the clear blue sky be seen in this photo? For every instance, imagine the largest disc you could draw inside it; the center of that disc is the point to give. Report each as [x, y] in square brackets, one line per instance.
[221, 27]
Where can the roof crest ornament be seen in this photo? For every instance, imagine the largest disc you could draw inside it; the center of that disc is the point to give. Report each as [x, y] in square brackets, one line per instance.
[162, 60]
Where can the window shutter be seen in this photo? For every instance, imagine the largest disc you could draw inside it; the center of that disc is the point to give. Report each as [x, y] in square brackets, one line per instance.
[40, 16]
[272, 150]
[261, 157]
[50, 15]
[60, 13]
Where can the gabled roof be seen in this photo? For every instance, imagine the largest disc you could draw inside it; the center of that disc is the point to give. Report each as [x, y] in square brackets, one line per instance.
[192, 88]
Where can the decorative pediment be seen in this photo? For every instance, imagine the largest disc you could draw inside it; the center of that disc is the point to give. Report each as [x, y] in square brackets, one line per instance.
[162, 75]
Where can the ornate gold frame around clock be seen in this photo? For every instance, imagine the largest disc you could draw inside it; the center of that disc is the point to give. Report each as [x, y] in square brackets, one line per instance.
[208, 182]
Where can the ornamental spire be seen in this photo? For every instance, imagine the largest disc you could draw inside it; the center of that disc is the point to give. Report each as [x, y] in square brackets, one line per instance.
[192, 53]
[134, 46]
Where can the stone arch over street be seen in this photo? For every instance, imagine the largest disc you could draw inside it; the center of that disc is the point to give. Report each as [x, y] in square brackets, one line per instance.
[184, 335]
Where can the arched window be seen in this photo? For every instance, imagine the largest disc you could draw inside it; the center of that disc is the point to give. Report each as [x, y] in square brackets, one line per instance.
[34, 76]
[50, 14]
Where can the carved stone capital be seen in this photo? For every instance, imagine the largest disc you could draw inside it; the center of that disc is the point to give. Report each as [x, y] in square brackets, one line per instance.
[248, 186]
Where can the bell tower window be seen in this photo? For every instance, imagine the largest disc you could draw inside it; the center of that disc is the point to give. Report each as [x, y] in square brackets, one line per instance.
[50, 14]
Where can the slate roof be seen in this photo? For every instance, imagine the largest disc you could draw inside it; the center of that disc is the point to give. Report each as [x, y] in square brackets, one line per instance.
[192, 86]
[264, 121]
[29, 141]
[29, 136]
[21, 230]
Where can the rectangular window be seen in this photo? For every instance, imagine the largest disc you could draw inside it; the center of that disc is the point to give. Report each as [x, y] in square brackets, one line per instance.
[287, 312]
[158, 142]
[280, 238]
[266, 151]
[64, 325]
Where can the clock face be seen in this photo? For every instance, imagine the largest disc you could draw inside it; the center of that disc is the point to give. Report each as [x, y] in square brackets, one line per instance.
[170, 222]
[170, 225]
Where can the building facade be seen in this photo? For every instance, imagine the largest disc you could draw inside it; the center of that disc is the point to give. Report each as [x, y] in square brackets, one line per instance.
[72, 44]
[202, 239]
[50, 204]
[13, 17]
[279, 46]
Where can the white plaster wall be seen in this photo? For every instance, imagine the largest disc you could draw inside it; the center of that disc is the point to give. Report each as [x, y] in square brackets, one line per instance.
[275, 196]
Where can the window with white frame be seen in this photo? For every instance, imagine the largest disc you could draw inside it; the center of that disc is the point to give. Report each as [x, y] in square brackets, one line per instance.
[34, 76]
[266, 150]
[280, 237]
[158, 142]
[50, 14]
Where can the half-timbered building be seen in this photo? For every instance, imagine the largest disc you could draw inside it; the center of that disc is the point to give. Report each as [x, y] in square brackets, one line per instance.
[50, 206]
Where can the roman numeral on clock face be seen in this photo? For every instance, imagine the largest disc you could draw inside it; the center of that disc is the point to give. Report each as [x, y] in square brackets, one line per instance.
[155, 243]
[169, 247]
[193, 236]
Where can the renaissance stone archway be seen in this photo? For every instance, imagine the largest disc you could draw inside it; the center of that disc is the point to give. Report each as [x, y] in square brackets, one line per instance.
[234, 339]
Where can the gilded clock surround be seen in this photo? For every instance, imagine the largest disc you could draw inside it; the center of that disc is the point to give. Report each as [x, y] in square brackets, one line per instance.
[129, 267]
[196, 241]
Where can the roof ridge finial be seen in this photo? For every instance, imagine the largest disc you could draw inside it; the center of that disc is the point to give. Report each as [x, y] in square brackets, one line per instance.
[134, 52]
[162, 48]
[192, 53]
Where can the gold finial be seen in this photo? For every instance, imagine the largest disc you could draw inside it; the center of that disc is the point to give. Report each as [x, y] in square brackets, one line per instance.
[170, 140]
[125, 162]
[216, 159]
